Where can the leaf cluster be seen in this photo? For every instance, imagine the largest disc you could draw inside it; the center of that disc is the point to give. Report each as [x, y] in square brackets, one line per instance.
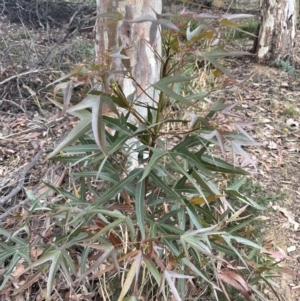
[159, 216]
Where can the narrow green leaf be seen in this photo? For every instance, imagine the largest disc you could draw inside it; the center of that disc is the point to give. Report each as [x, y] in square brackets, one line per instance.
[66, 194]
[234, 190]
[118, 187]
[222, 248]
[189, 142]
[194, 217]
[171, 214]
[118, 125]
[156, 156]
[79, 130]
[188, 263]
[116, 16]
[15, 239]
[107, 228]
[170, 192]
[16, 254]
[172, 229]
[191, 158]
[219, 165]
[82, 148]
[163, 84]
[140, 207]
[187, 175]
[118, 144]
[106, 251]
[152, 268]
[55, 258]
[131, 228]
[244, 241]
[227, 240]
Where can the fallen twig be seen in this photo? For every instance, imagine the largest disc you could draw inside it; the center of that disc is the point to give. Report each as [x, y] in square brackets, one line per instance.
[21, 74]
[27, 200]
[12, 209]
[21, 179]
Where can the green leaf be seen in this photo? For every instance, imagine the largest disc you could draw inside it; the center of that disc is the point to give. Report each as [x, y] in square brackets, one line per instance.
[189, 142]
[106, 252]
[96, 103]
[170, 229]
[163, 84]
[140, 207]
[219, 165]
[188, 263]
[194, 217]
[171, 192]
[234, 190]
[170, 276]
[156, 156]
[109, 177]
[17, 253]
[109, 227]
[221, 53]
[118, 125]
[219, 106]
[117, 188]
[224, 249]
[191, 159]
[55, 256]
[244, 241]
[66, 194]
[215, 54]
[152, 268]
[79, 130]
[226, 22]
[109, 194]
[74, 159]
[183, 171]
[132, 298]
[131, 227]
[227, 240]
[15, 238]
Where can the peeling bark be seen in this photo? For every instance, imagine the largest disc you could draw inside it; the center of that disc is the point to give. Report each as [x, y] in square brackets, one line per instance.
[277, 31]
[144, 62]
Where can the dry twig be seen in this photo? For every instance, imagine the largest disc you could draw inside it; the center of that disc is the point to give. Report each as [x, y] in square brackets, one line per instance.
[22, 177]
[21, 74]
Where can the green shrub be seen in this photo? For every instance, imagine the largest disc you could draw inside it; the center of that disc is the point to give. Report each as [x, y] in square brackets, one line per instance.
[285, 66]
[162, 227]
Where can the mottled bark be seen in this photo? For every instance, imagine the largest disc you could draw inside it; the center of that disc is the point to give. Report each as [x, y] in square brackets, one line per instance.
[135, 37]
[277, 30]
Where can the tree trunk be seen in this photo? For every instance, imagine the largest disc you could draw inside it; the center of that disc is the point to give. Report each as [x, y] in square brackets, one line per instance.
[144, 57]
[277, 31]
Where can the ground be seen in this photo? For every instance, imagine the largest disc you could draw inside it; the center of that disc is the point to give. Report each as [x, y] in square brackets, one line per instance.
[269, 96]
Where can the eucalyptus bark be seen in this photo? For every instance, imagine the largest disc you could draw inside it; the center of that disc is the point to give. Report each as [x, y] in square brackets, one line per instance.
[277, 31]
[135, 37]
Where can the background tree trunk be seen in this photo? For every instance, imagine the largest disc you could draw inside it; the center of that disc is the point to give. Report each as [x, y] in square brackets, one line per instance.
[277, 30]
[111, 35]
